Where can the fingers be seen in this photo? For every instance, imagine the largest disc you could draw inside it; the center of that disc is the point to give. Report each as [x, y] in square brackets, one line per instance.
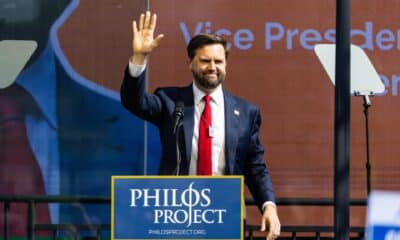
[157, 40]
[141, 22]
[153, 21]
[147, 20]
[270, 236]
[134, 28]
[274, 230]
[263, 225]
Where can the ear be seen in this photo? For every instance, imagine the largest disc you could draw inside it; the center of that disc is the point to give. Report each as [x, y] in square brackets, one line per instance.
[190, 64]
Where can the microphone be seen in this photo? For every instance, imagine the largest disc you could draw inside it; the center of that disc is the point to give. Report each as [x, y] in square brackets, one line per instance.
[178, 115]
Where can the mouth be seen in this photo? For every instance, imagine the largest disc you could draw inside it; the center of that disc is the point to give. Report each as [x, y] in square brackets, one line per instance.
[211, 75]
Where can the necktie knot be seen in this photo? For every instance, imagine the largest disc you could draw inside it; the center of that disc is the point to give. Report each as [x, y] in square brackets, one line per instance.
[207, 99]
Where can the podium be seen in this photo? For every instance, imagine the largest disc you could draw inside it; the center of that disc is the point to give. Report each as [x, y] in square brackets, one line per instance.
[177, 207]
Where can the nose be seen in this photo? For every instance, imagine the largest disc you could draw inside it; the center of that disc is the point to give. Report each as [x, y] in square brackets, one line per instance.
[211, 65]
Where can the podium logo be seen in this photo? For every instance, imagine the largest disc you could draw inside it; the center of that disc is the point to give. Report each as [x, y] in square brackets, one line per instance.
[176, 206]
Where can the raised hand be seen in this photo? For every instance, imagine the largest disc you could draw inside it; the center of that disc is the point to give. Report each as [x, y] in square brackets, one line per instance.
[143, 41]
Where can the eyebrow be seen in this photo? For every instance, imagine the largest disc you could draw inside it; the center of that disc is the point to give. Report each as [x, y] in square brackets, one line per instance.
[209, 58]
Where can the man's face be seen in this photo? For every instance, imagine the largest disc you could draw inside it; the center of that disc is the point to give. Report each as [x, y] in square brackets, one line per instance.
[209, 67]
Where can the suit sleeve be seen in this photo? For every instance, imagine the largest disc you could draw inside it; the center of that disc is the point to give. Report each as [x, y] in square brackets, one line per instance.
[256, 173]
[135, 98]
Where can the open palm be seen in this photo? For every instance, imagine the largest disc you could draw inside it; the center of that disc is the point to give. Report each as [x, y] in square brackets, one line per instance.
[143, 35]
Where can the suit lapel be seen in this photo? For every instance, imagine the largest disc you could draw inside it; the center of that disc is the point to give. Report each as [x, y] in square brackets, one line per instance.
[231, 138]
[188, 120]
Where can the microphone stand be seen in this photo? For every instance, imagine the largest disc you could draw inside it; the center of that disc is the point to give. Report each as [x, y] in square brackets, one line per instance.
[177, 146]
[367, 105]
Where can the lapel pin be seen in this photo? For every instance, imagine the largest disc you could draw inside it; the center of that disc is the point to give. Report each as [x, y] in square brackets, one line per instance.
[236, 112]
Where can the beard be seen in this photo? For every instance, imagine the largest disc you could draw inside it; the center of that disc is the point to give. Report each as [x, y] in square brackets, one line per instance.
[202, 80]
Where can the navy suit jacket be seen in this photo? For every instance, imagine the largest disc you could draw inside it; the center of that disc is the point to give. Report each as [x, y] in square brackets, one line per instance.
[244, 155]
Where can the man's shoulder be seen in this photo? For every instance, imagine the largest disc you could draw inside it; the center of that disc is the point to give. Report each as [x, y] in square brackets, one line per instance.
[239, 101]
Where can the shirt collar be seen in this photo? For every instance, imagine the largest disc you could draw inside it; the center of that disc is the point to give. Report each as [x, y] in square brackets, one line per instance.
[217, 95]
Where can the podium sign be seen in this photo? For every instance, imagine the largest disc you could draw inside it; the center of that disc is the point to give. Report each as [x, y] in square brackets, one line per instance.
[383, 219]
[181, 207]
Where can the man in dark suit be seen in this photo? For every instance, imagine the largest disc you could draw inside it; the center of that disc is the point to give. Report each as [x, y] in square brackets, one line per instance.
[220, 131]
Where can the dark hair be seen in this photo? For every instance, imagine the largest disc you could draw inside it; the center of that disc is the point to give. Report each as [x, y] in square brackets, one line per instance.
[202, 40]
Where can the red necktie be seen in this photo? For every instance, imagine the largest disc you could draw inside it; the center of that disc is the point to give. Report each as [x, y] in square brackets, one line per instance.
[19, 171]
[204, 166]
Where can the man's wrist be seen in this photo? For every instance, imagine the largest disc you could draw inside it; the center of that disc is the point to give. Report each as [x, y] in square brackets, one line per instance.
[138, 59]
[268, 204]
[136, 69]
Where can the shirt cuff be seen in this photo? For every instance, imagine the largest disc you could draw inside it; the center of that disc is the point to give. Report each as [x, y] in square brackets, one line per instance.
[268, 203]
[136, 70]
